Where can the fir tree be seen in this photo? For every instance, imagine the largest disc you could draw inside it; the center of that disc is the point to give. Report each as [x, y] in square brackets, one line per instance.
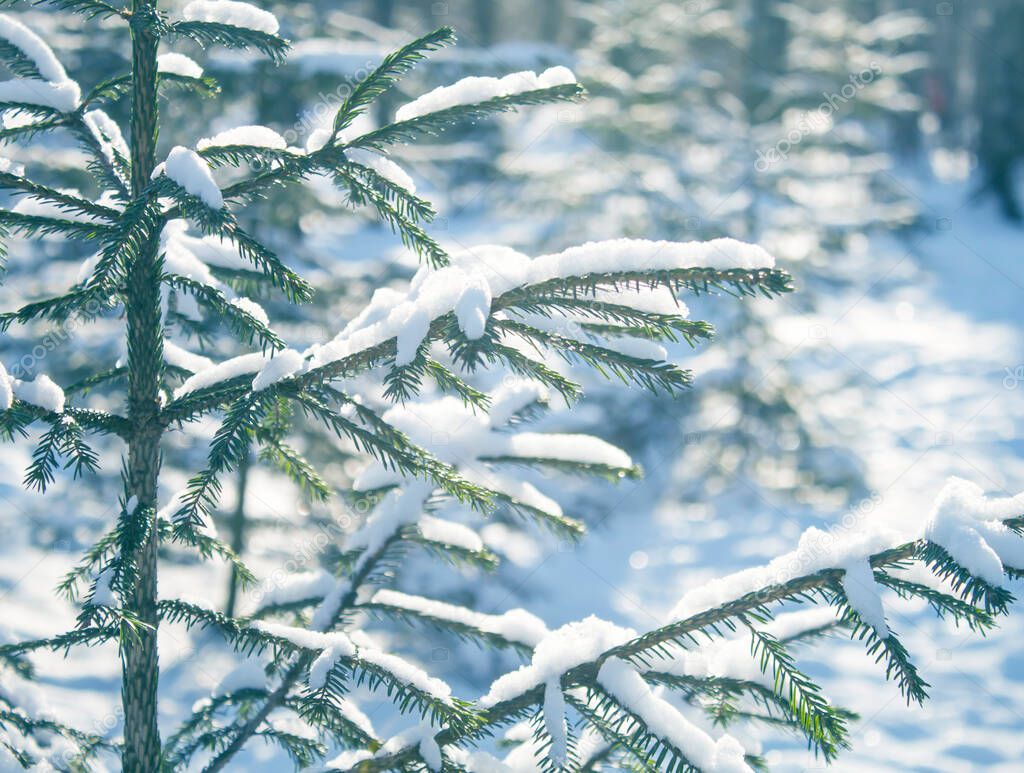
[594, 694]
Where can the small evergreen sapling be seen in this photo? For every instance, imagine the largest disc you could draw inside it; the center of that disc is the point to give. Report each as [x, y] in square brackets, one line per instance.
[593, 693]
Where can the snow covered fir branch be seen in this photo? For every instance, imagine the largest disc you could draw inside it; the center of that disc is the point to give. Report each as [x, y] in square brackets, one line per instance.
[433, 387]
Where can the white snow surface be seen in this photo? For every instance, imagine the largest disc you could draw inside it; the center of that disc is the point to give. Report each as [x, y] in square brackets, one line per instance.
[816, 550]
[561, 650]
[449, 532]
[253, 309]
[422, 737]
[968, 525]
[257, 136]
[31, 205]
[11, 167]
[383, 166]
[183, 358]
[41, 391]
[472, 310]
[475, 89]
[107, 133]
[178, 64]
[515, 625]
[865, 595]
[664, 720]
[63, 96]
[456, 434]
[191, 172]
[6, 389]
[280, 366]
[232, 13]
[222, 371]
[436, 292]
[30, 44]
[554, 722]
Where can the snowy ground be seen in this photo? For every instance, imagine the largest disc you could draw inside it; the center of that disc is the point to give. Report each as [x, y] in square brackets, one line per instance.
[938, 332]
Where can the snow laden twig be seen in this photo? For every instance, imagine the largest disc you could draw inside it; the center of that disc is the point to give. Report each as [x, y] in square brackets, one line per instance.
[594, 655]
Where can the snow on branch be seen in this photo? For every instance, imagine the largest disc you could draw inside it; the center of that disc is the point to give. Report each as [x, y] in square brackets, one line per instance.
[255, 136]
[178, 64]
[497, 271]
[623, 682]
[188, 169]
[233, 14]
[42, 79]
[481, 89]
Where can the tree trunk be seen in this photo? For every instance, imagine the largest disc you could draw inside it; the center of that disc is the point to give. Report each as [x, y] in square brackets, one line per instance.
[140, 670]
[238, 533]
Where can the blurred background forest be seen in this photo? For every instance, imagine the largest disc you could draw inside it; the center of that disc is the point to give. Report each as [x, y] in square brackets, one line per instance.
[871, 145]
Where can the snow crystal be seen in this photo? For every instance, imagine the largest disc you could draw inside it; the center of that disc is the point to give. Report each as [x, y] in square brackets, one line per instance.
[233, 13]
[178, 64]
[449, 533]
[663, 720]
[554, 722]
[257, 136]
[561, 650]
[481, 89]
[191, 172]
[63, 96]
[281, 366]
[182, 358]
[222, 371]
[41, 392]
[864, 595]
[6, 389]
[383, 166]
[516, 625]
[472, 310]
[30, 44]
[131, 504]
